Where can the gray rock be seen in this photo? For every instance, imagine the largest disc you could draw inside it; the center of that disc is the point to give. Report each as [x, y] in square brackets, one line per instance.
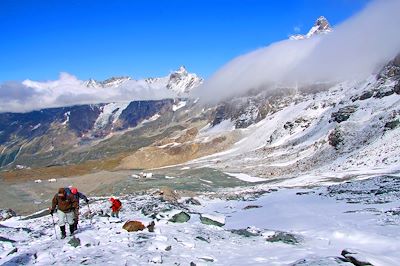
[6, 214]
[181, 217]
[396, 88]
[3, 239]
[366, 95]
[392, 124]
[14, 250]
[208, 221]
[344, 113]
[244, 232]
[203, 239]
[286, 238]
[37, 215]
[75, 242]
[355, 258]
[335, 138]
[192, 201]
[207, 259]
[248, 207]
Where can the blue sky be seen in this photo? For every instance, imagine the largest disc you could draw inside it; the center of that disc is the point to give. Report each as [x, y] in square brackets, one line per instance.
[99, 39]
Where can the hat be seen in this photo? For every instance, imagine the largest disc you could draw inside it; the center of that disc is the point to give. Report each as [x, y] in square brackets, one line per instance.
[74, 190]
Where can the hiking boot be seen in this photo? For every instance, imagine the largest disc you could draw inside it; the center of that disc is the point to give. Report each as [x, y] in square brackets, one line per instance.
[71, 229]
[63, 234]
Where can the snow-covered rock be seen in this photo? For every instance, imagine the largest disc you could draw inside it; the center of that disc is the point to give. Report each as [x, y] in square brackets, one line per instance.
[321, 26]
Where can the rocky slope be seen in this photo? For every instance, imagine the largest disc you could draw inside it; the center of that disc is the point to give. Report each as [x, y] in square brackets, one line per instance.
[264, 227]
[65, 135]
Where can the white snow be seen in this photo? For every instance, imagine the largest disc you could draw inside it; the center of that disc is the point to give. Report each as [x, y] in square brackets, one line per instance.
[178, 106]
[66, 115]
[151, 119]
[324, 225]
[110, 114]
[246, 178]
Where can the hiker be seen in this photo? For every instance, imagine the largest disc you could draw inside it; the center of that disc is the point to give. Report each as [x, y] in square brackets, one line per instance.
[78, 195]
[116, 206]
[66, 205]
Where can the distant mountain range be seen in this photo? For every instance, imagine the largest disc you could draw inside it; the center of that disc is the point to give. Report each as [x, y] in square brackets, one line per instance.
[322, 127]
[179, 81]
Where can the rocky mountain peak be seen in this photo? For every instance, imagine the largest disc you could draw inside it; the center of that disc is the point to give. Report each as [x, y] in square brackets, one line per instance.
[181, 81]
[111, 82]
[181, 70]
[115, 81]
[321, 26]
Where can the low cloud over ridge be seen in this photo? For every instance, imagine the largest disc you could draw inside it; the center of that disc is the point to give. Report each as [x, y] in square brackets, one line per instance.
[69, 90]
[356, 48]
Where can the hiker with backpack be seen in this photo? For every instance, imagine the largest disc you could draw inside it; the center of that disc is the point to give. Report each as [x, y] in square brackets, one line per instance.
[77, 195]
[116, 206]
[66, 206]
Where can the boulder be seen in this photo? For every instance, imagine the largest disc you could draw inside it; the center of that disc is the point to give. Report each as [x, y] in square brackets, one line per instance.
[181, 217]
[75, 242]
[192, 201]
[212, 220]
[284, 237]
[383, 92]
[344, 113]
[244, 232]
[335, 138]
[366, 95]
[392, 124]
[396, 88]
[6, 214]
[355, 258]
[150, 226]
[133, 226]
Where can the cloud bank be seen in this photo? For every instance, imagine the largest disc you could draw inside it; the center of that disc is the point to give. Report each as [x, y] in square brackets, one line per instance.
[69, 90]
[356, 48]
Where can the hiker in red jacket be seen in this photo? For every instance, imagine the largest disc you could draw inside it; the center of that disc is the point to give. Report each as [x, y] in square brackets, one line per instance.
[115, 207]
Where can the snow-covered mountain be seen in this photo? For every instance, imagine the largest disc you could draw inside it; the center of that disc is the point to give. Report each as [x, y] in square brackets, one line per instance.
[179, 81]
[108, 83]
[321, 26]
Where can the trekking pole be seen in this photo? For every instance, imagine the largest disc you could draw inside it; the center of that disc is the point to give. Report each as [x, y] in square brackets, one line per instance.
[54, 225]
[90, 212]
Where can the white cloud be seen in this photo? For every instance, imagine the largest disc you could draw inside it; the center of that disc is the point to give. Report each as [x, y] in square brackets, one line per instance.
[358, 47]
[69, 90]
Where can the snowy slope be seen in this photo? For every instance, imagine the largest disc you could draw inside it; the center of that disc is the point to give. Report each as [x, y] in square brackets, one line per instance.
[348, 129]
[307, 227]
